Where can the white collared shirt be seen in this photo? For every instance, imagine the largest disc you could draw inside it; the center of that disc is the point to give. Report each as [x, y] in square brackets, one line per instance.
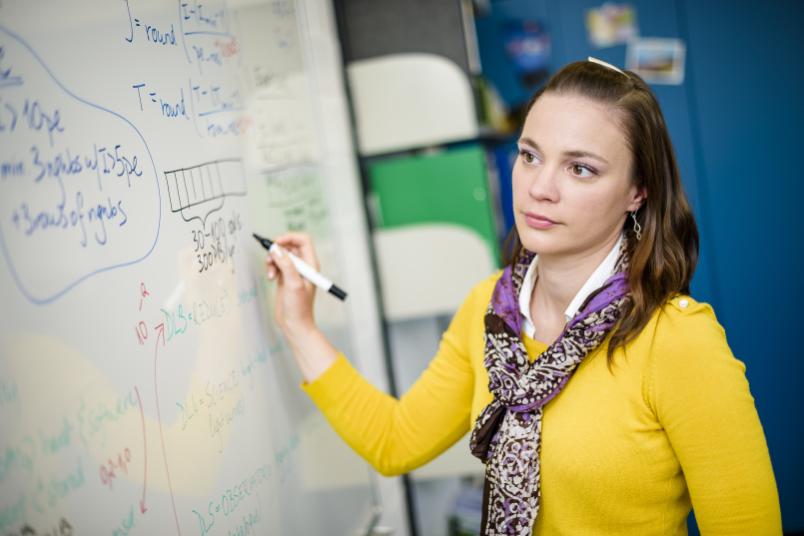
[598, 277]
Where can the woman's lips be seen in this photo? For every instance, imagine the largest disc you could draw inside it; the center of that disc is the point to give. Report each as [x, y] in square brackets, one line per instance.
[537, 221]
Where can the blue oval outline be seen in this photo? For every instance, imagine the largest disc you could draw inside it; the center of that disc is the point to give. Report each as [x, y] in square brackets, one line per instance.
[70, 286]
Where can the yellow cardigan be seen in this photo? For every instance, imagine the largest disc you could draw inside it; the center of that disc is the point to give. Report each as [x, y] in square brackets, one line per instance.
[626, 453]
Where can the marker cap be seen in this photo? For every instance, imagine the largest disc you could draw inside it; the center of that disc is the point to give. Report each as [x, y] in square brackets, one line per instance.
[337, 292]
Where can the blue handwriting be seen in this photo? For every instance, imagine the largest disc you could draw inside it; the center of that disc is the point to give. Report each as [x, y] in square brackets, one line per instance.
[167, 108]
[32, 115]
[6, 78]
[231, 498]
[31, 220]
[193, 12]
[152, 33]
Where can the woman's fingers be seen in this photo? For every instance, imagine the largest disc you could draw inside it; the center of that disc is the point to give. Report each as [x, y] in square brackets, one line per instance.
[285, 267]
[294, 299]
[301, 245]
[270, 268]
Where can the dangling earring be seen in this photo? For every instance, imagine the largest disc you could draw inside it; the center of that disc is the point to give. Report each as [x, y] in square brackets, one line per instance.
[637, 227]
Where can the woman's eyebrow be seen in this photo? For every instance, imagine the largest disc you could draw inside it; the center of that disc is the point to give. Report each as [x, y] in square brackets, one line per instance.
[585, 154]
[573, 154]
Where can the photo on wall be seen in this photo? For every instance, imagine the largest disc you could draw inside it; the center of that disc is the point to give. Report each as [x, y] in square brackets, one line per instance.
[657, 61]
[611, 24]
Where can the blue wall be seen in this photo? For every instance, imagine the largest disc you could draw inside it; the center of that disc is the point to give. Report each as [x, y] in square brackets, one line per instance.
[737, 123]
[746, 81]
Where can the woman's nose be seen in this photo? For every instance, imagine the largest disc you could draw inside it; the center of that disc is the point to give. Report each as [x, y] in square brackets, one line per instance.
[544, 184]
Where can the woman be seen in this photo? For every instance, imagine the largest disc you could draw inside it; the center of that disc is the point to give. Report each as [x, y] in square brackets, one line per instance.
[602, 398]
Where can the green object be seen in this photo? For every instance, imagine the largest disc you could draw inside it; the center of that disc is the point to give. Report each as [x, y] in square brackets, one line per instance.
[447, 187]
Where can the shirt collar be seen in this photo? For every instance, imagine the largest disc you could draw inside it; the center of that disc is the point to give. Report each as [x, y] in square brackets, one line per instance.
[595, 281]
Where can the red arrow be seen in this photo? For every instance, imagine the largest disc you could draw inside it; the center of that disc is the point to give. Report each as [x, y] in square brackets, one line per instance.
[143, 508]
[161, 333]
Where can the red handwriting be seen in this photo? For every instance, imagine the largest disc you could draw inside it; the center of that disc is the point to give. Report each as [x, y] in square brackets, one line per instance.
[108, 470]
[227, 48]
[143, 294]
[141, 328]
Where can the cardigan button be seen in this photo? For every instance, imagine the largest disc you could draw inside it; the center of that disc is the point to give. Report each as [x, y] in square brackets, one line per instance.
[683, 303]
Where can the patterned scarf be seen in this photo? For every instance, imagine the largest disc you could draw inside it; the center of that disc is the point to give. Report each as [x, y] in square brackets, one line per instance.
[507, 433]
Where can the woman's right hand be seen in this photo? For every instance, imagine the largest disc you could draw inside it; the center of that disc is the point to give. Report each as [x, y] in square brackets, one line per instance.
[293, 309]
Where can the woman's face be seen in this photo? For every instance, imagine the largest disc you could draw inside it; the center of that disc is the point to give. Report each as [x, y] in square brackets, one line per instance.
[572, 178]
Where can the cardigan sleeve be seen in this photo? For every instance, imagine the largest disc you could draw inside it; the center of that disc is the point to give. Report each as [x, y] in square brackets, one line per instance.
[397, 436]
[701, 397]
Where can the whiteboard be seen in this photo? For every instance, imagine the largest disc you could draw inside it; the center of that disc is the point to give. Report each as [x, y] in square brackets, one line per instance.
[144, 388]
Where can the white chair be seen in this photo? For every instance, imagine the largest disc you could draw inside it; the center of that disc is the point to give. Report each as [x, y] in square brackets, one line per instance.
[428, 269]
[405, 101]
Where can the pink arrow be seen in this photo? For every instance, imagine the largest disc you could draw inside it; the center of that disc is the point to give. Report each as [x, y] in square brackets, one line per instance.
[143, 508]
[160, 329]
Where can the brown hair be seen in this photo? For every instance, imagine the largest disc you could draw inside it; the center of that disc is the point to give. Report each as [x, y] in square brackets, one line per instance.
[663, 261]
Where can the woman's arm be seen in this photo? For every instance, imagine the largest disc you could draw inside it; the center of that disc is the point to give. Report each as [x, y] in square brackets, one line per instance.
[702, 399]
[293, 309]
[395, 436]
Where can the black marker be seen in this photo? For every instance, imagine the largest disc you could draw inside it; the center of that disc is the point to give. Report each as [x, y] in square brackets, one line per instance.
[307, 271]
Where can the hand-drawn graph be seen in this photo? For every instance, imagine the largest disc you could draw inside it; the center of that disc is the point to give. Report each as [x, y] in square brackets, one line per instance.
[198, 191]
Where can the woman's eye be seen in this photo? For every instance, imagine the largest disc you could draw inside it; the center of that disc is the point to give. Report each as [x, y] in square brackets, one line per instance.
[582, 171]
[528, 157]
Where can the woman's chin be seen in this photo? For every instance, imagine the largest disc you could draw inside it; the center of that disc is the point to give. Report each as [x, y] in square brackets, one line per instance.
[542, 243]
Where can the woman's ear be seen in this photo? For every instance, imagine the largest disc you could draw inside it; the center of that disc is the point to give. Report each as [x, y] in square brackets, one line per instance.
[639, 196]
